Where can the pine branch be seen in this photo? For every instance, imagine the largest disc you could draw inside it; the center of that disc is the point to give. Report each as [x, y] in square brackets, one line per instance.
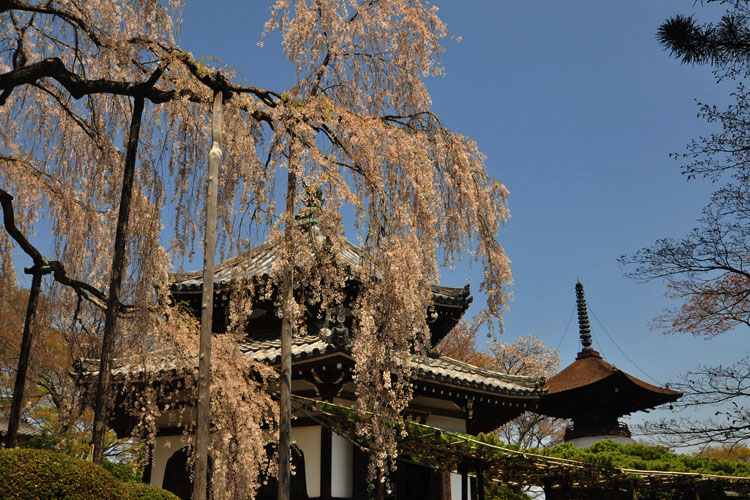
[721, 44]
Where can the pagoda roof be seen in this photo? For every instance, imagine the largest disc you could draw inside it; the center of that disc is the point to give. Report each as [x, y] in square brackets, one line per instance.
[259, 262]
[591, 386]
[590, 381]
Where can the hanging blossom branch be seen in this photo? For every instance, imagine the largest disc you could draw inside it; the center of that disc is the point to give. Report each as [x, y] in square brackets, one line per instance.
[82, 289]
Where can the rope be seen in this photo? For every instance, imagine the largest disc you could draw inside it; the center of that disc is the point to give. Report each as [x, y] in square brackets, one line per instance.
[620, 349]
[566, 328]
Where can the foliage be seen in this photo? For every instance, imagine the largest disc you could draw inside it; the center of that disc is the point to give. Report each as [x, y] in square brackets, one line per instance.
[52, 402]
[141, 491]
[40, 474]
[43, 442]
[123, 471]
[642, 457]
[723, 44]
[726, 452]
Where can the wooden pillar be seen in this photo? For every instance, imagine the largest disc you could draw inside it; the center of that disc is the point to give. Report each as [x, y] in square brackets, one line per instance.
[464, 483]
[203, 413]
[285, 378]
[11, 434]
[480, 481]
[325, 463]
[101, 404]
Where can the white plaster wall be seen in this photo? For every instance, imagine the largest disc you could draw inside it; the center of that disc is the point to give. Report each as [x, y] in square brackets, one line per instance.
[447, 423]
[456, 486]
[342, 461]
[585, 442]
[164, 447]
[308, 440]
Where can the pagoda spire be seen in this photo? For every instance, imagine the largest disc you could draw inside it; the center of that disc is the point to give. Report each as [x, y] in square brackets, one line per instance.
[583, 318]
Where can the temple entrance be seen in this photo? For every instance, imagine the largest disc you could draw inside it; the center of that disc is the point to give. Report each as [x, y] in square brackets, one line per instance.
[298, 486]
[417, 483]
[410, 482]
[177, 475]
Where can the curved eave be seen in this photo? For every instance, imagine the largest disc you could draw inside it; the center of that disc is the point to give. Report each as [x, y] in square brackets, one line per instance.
[442, 371]
[589, 368]
[616, 394]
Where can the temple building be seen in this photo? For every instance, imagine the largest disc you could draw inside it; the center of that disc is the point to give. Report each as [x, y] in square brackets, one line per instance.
[448, 394]
[595, 395]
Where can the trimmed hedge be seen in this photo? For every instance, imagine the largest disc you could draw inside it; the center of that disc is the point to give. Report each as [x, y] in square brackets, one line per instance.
[141, 491]
[643, 457]
[28, 474]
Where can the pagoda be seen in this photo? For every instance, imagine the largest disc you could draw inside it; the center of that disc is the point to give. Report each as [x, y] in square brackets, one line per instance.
[595, 394]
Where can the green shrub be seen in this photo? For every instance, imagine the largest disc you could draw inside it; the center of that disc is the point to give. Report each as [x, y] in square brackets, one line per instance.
[642, 457]
[141, 491]
[41, 443]
[123, 472]
[29, 474]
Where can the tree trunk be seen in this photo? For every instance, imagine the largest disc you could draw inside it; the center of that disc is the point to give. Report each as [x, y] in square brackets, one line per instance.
[115, 282]
[11, 436]
[207, 307]
[285, 380]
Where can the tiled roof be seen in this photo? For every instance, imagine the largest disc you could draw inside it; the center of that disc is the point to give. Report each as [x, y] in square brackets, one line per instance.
[25, 429]
[445, 369]
[259, 263]
[156, 366]
[440, 369]
[256, 263]
[269, 350]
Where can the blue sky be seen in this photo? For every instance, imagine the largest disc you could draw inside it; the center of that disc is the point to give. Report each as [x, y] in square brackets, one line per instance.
[577, 109]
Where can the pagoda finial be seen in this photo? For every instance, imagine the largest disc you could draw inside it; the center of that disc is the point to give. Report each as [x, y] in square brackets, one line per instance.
[583, 318]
